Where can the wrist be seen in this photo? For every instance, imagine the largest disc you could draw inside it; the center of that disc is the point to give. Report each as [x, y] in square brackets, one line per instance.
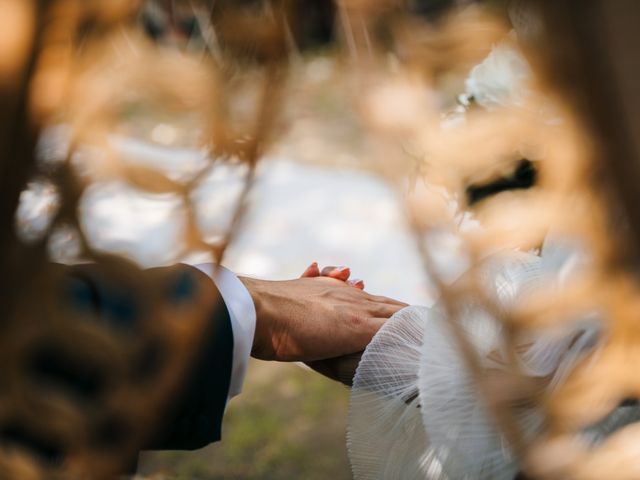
[253, 286]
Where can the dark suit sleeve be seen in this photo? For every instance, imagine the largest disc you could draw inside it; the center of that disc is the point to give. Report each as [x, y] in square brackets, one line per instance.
[194, 419]
[194, 416]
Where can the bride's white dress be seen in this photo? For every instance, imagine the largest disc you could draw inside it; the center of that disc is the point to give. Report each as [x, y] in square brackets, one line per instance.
[414, 412]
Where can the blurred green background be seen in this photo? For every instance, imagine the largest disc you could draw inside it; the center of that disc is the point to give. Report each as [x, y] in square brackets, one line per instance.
[288, 423]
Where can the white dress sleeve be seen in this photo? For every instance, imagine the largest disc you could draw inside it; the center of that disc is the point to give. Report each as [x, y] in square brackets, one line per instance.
[415, 413]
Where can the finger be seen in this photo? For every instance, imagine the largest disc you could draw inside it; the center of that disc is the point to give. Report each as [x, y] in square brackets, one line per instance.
[387, 300]
[375, 324]
[356, 282]
[383, 310]
[362, 332]
[311, 271]
[339, 273]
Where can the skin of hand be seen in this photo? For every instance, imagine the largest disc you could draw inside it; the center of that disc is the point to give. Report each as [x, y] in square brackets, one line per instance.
[341, 369]
[315, 317]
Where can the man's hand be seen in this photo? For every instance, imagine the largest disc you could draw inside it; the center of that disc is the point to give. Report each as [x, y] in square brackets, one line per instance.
[314, 318]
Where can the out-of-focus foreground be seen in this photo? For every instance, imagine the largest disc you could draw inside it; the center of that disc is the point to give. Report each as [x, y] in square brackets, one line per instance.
[137, 133]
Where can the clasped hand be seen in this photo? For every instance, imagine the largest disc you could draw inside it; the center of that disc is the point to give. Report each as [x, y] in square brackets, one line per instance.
[320, 316]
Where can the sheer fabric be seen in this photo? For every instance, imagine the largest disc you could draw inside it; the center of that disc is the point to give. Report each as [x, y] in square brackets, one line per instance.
[416, 414]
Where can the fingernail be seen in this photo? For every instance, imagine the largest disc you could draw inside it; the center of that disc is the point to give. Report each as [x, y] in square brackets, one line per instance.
[314, 264]
[342, 269]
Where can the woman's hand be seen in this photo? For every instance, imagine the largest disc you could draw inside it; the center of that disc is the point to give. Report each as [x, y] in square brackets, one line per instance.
[339, 273]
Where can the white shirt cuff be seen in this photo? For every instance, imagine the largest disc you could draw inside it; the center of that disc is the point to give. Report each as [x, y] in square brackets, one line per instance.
[242, 313]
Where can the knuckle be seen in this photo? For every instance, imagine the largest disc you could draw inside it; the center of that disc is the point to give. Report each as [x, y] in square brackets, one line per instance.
[356, 319]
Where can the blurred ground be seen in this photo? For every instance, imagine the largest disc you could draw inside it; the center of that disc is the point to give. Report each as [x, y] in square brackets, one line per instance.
[288, 423]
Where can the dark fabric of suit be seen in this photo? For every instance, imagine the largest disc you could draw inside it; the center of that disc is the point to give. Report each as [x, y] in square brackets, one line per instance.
[194, 417]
